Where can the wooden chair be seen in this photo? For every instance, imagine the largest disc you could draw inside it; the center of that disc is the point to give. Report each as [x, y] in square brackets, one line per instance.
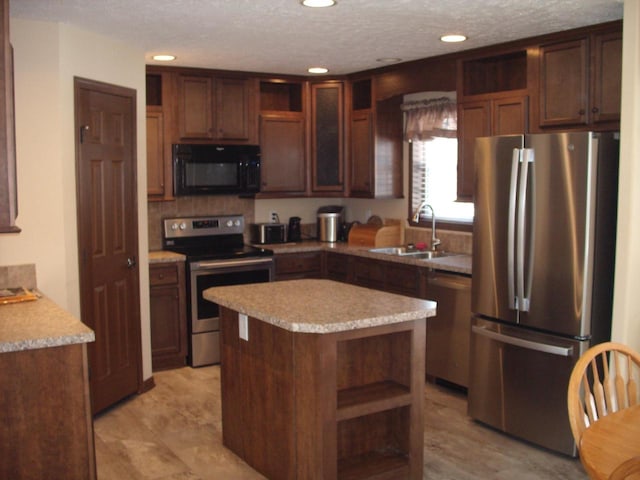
[605, 379]
[626, 469]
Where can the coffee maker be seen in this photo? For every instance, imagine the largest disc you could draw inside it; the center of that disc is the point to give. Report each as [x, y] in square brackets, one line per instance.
[294, 234]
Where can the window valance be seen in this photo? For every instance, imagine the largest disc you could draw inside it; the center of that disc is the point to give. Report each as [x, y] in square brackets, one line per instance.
[426, 119]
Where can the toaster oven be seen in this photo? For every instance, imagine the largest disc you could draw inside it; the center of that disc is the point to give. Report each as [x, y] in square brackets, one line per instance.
[265, 233]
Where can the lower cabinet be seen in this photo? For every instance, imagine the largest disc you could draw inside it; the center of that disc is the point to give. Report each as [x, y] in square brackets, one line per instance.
[47, 428]
[168, 315]
[290, 266]
[449, 332]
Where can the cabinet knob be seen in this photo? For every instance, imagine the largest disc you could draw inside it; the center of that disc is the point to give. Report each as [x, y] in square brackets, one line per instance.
[581, 111]
[594, 110]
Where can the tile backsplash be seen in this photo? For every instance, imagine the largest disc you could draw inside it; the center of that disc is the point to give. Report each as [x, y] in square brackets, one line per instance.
[18, 276]
[195, 206]
[451, 241]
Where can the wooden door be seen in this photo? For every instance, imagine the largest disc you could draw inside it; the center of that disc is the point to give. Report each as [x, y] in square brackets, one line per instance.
[563, 83]
[361, 178]
[283, 167]
[607, 75]
[474, 121]
[327, 137]
[233, 109]
[510, 116]
[155, 155]
[195, 107]
[108, 237]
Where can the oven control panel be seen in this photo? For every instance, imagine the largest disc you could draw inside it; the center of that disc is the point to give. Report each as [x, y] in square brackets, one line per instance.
[203, 226]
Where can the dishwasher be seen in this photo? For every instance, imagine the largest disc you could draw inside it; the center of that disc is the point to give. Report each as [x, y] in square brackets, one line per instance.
[449, 332]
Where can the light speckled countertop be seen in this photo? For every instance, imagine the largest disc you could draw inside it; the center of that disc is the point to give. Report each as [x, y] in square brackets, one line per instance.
[39, 324]
[320, 306]
[165, 256]
[456, 263]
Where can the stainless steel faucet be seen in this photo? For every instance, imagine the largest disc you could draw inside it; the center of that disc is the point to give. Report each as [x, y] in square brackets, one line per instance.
[416, 218]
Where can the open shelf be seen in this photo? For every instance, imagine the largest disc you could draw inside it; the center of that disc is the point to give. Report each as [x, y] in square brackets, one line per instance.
[371, 398]
[280, 96]
[374, 446]
[495, 74]
[374, 465]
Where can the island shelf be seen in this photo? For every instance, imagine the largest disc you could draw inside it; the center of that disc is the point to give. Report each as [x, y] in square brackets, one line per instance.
[333, 402]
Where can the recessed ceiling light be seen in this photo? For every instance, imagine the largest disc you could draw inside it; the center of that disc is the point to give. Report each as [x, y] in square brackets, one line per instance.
[164, 58]
[318, 70]
[318, 3]
[453, 38]
[388, 60]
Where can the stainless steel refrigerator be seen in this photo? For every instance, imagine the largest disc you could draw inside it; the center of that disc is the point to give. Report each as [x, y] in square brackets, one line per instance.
[543, 259]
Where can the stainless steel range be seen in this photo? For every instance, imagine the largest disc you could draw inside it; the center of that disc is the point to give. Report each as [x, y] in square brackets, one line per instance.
[216, 256]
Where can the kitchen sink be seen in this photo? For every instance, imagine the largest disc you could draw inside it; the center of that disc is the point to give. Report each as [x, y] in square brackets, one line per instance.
[413, 252]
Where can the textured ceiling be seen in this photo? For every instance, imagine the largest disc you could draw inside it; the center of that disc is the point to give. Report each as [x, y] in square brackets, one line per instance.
[281, 36]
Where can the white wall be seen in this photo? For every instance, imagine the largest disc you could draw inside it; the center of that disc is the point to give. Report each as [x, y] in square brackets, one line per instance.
[47, 57]
[626, 309]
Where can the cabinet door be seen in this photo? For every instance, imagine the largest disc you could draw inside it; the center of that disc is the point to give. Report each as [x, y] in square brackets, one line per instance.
[563, 83]
[298, 265]
[510, 116]
[195, 105]
[473, 121]
[233, 108]
[361, 179]
[327, 137]
[155, 154]
[607, 75]
[168, 316]
[283, 164]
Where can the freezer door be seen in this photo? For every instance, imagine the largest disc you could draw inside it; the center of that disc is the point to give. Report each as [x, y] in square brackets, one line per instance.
[559, 233]
[518, 382]
[492, 293]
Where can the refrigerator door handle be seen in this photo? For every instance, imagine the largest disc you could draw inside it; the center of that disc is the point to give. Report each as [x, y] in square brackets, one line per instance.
[520, 342]
[511, 227]
[527, 158]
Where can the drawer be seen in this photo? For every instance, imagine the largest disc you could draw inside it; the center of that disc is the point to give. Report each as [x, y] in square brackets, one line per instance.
[298, 263]
[163, 275]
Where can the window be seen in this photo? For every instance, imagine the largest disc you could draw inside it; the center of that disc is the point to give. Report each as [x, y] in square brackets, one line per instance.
[434, 166]
[430, 127]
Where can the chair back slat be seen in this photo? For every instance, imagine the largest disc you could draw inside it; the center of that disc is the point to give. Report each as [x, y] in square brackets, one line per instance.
[604, 379]
[620, 382]
[632, 386]
[598, 391]
[609, 383]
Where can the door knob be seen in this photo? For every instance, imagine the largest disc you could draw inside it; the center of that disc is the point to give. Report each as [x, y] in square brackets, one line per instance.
[131, 262]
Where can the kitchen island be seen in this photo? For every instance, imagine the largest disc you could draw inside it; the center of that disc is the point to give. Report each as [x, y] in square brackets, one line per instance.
[322, 379]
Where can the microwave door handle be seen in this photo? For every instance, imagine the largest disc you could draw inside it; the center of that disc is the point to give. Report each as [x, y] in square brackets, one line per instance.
[511, 236]
[521, 342]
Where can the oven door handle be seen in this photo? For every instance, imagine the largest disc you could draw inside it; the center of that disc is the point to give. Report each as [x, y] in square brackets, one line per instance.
[229, 263]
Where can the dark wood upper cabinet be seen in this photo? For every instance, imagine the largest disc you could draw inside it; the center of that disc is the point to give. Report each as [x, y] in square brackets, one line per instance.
[375, 143]
[564, 79]
[282, 131]
[216, 108]
[506, 115]
[155, 154]
[8, 186]
[283, 158]
[327, 137]
[607, 77]
[580, 82]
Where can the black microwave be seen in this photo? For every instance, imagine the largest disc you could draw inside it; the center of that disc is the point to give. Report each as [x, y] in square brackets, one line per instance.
[216, 169]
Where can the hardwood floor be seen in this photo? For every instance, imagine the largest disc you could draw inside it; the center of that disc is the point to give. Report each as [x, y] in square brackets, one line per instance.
[174, 432]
